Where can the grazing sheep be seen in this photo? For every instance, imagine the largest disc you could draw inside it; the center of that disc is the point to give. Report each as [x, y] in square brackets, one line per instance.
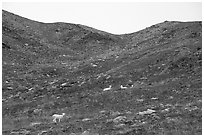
[63, 84]
[94, 65]
[106, 89]
[57, 116]
[121, 86]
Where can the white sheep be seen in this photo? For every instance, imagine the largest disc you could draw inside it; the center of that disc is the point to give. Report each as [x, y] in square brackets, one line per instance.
[106, 89]
[94, 65]
[57, 116]
[121, 86]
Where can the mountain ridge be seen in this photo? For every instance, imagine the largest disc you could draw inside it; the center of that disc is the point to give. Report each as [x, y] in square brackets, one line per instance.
[154, 75]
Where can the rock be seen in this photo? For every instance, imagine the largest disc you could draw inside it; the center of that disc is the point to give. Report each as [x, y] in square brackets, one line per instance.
[85, 133]
[127, 132]
[119, 119]
[154, 98]
[104, 112]
[63, 84]
[14, 133]
[140, 100]
[165, 110]
[86, 119]
[35, 123]
[42, 132]
[128, 112]
[9, 88]
[119, 125]
[109, 120]
[115, 113]
[148, 111]
[89, 132]
[129, 122]
[172, 120]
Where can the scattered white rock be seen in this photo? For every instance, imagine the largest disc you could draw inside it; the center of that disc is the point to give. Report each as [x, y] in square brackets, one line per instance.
[35, 123]
[168, 105]
[166, 110]
[103, 111]
[148, 111]
[37, 111]
[116, 113]
[44, 131]
[25, 132]
[171, 97]
[120, 125]
[10, 88]
[128, 112]
[10, 96]
[119, 119]
[170, 120]
[82, 83]
[109, 120]
[108, 77]
[140, 100]
[86, 119]
[30, 89]
[155, 116]
[135, 125]
[143, 78]
[64, 63]
[86, 132]
[14, 133]
[191, 108]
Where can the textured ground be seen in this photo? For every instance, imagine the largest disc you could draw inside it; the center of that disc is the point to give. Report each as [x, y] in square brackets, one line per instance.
[61, 67]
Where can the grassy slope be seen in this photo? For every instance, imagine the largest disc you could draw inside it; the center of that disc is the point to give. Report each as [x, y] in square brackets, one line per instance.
[162, 62]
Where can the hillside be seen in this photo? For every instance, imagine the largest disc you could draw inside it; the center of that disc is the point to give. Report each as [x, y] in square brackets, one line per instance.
[59, 68]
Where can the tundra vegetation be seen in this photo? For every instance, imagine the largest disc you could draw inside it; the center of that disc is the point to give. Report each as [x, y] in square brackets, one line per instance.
[53, 68]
